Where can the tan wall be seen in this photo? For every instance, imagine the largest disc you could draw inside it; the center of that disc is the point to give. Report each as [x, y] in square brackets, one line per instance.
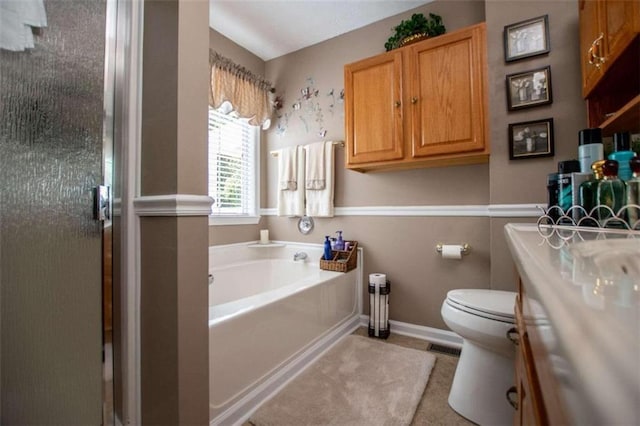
[239, 55]
[173, 250]
[420, 284]
[404, 249]
[235, 52]
[401, 247]
[524, 181]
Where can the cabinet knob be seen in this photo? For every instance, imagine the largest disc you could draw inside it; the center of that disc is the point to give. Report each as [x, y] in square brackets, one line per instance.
[512, 391]
[594, 58]
[398, 104]
[414, 100]
[510, 335]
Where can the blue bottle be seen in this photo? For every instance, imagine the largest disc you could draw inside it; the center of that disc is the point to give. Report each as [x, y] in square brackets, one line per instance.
[622, 154]
[327, 249]
[339, 241]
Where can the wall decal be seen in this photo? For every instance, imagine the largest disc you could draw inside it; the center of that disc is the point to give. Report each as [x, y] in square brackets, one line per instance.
[308, 108]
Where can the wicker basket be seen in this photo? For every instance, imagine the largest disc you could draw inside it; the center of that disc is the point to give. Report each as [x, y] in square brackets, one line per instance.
[413, 39]
[343, 260]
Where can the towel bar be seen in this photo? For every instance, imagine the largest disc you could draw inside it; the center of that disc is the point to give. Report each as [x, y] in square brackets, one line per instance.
[337, 143]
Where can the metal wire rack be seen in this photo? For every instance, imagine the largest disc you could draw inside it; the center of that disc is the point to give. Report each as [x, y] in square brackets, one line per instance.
[602, 222]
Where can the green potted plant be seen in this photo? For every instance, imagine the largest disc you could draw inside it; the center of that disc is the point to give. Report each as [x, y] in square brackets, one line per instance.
[414, 29]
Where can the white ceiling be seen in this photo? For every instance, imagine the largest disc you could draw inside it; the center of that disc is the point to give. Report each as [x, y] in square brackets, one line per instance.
[272, 28]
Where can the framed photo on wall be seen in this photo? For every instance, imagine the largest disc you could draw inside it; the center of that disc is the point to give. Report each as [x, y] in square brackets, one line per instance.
[526, 38]
[530, 139]
[529, 89]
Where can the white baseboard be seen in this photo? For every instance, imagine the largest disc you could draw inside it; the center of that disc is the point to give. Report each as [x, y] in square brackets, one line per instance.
[240, 412]
[433, 335]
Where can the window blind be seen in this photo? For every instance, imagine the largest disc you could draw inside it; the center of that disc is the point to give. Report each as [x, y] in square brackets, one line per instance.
[232, 165]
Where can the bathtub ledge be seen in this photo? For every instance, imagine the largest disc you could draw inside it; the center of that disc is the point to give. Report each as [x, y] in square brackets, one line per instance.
[258, 245]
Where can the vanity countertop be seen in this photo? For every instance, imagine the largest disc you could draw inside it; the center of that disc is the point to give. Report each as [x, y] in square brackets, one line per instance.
[586, 284]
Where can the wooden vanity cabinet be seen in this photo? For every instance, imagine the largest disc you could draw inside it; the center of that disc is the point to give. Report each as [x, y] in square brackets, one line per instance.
[419, 106]
[535, 395]
[529, 409]
[610, 59]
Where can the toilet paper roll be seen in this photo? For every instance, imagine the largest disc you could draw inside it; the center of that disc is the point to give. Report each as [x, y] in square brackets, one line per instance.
[452, 252]
[379, 280]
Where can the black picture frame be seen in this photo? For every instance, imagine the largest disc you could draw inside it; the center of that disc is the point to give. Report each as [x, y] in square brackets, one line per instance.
[527, 38]
[529, 89]
[531, 139]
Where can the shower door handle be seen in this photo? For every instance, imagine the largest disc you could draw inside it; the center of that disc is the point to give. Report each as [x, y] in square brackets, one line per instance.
[101, 203]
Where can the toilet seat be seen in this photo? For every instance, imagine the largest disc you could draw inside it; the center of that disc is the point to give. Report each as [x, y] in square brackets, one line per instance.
[491, 304]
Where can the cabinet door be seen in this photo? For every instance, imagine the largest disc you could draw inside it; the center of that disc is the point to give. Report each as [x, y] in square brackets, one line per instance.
[530, 410]
[373, 109]
[621, 23]
[592, 43]
[447, 93]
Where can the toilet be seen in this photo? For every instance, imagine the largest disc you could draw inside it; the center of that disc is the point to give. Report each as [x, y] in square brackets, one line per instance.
[485, 370]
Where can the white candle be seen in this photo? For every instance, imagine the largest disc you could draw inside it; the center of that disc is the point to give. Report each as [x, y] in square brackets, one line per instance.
[264, 236]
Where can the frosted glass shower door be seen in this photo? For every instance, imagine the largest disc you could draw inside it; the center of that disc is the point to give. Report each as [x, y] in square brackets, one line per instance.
[51, 147]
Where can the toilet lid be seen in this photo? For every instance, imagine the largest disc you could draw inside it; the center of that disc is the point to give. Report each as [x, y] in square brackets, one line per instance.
[492, 302]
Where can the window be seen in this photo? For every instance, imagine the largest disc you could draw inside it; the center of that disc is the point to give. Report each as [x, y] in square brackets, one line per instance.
[233, 169]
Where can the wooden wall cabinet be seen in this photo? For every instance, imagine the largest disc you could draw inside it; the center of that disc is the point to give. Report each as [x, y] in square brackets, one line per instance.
[421, 105]
[373, 109]
[610, 58]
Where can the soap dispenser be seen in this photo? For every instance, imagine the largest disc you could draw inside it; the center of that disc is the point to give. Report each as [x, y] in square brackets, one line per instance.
[339, 241]
[327, 249]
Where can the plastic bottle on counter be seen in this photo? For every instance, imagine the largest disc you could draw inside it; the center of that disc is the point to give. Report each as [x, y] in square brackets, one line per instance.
[622, 154]
[565, 183]
[552, 196]
[339, 241]
[327, 249]
[611, 192]
[590, 148]
[633, 193]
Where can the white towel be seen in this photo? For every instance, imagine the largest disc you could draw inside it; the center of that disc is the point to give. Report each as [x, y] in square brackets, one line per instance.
[320, 201]
[315, 169]
[291, 202]
[288, 168]
[16, 19]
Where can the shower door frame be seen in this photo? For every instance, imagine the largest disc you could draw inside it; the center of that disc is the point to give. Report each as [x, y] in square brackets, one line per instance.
[127, 110]
[121, 125]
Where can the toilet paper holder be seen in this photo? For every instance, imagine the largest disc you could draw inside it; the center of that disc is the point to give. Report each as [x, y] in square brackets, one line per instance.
[464, 248]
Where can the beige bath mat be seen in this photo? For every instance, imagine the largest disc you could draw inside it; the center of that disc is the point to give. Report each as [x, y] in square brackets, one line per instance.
[360, 381]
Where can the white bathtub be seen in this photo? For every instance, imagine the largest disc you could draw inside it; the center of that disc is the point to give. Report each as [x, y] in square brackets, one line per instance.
[268, 316]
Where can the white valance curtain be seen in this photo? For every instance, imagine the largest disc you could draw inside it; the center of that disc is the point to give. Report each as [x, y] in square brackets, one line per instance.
[248, 94]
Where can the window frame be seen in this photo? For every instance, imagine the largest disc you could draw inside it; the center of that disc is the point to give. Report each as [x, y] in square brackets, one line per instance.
[240, 219]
